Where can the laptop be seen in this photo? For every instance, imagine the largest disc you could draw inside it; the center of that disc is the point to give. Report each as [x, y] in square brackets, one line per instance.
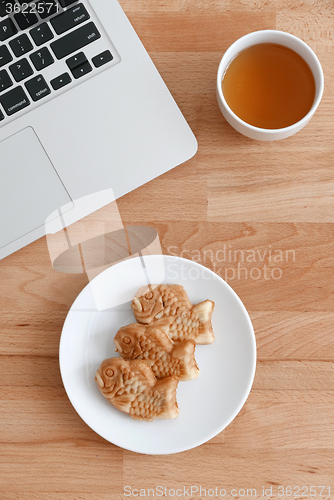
[83, 110]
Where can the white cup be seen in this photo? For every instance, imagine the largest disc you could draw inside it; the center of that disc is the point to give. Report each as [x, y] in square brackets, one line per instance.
[281, 38]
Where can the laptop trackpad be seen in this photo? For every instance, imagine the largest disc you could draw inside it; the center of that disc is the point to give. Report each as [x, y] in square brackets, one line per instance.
[30, 188]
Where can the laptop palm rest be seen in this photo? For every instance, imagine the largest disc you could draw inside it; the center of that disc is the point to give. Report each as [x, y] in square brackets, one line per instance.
[30, 189]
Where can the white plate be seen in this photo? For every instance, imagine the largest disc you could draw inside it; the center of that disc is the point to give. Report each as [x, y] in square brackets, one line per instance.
[207, 404]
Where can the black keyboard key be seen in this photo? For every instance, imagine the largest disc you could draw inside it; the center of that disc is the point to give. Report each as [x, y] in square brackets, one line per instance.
[5, 56]
[75, 40]
[21, 70]
[46, 8]
[7, 29]
[81, 70]
[6, 7]
[41, 34]
[37, 88]
[69, 19]
[14, 100]
[1, 116]
[26, 19]
[79, 65]
[21, 45]
[5, 81]
[61, 81]
[42, 58]
[77, 60]
[102, 58]
[66, 3]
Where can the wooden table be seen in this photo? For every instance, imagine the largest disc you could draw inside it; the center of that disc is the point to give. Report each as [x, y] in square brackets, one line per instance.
[236, 194]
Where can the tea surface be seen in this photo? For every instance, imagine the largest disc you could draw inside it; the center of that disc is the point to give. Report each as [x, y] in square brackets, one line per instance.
[269, 86]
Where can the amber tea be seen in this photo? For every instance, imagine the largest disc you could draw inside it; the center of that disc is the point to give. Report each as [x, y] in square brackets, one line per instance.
[269, 86]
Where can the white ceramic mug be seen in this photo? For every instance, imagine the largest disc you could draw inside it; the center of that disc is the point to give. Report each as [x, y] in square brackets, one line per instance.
[281, 38]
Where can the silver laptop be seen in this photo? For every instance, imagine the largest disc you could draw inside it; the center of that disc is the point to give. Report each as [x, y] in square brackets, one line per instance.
[82, 110]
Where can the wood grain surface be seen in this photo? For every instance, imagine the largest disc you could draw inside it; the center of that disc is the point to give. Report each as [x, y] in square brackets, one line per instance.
[268, 204]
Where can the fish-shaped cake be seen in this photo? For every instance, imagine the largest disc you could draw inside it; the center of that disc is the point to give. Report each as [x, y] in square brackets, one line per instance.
[132, 387]
[153, 345]
[168, 307]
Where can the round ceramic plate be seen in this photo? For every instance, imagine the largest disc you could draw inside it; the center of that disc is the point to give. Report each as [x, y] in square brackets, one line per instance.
[207, 405]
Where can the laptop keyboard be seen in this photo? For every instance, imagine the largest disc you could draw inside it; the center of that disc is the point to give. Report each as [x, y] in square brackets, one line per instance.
[43, 49]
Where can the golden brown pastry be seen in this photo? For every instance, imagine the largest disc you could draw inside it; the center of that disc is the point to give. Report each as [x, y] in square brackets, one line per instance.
[132, 387]
[169, 305]
[155, 347]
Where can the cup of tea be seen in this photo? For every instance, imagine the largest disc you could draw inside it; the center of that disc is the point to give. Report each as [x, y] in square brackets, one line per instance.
[269, 85]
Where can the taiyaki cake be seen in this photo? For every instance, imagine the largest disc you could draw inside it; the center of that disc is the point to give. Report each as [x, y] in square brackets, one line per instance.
[153, 345]
[132, 387]
[163, 305]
